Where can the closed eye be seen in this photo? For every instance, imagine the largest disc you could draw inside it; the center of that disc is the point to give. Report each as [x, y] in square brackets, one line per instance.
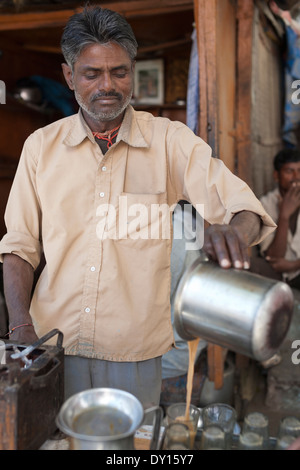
[119, 72]
[91, 77]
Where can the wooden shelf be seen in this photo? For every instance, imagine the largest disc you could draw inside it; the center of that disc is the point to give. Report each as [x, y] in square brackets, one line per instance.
[162, 106]
[172, 111]
[142, 50]
[130, 9]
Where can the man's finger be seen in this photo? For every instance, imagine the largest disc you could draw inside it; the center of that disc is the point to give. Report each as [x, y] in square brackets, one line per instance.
[238, 251]
[219, 245]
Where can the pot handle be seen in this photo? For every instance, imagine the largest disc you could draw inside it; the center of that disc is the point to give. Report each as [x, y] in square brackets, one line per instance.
[154, 445]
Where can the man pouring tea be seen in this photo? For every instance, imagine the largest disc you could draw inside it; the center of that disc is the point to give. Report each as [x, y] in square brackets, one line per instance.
[106, 279]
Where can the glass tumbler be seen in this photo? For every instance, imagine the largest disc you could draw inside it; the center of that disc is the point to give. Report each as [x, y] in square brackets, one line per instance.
[289, 426]
[284, 442]
[250, 441]
[177, 437]
[213, 438]
[176, 414]
[257, 423]
[222, 415]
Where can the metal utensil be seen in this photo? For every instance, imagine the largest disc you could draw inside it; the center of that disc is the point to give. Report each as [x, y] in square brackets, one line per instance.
[239, 310]
[22, 354]
[105, 419]
[27, 362]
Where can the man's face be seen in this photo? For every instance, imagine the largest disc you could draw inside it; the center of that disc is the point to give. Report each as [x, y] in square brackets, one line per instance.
[102, 81]
[288, 174]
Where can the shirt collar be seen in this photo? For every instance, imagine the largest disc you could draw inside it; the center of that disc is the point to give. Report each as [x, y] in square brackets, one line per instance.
[129, 132]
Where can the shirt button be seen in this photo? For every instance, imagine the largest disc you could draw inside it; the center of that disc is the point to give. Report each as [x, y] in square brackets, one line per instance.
[101, 194]
[104, 168]
[87, 310]
[93, 268]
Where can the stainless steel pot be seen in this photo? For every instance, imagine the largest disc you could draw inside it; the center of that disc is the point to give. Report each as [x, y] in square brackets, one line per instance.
[239, 310]
[105, 419]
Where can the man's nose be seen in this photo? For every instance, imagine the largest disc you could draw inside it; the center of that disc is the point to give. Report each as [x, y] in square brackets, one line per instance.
[296, 175]
[105, 82]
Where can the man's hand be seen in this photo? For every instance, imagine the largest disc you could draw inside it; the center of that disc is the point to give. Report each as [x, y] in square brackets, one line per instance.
[290, 201]
[283, 265]
[288, 205]
[224, 244]
[228, 244]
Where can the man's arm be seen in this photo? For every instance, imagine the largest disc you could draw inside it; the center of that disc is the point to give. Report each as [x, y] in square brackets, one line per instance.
[18, 281]
[228, 244]
[282, 265]
[288, 207]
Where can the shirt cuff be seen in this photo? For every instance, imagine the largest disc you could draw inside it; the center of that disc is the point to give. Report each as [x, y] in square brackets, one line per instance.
[24, 246]
[268, 224]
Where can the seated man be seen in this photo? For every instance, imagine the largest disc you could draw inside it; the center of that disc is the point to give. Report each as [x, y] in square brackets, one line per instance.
[280, 251]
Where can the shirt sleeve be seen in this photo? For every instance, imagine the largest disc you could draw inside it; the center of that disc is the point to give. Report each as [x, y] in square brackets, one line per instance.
[208, 184]
[270, 204]
[23, 214]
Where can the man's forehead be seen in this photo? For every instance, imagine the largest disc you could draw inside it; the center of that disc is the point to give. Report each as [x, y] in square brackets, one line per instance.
[99, 54]
[292, 165]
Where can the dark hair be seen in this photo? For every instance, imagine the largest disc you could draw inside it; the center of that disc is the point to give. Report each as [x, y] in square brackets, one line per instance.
[96, 25]
[289, 155]
[283, 4]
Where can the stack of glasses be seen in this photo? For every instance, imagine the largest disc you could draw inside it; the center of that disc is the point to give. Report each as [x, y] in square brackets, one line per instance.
[218, 430]
[255, 433]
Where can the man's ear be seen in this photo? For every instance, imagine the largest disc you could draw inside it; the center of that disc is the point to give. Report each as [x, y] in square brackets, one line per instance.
[67, 71]
[276, 176]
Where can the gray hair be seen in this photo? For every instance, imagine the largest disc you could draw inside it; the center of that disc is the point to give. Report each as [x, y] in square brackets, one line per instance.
[96, 25]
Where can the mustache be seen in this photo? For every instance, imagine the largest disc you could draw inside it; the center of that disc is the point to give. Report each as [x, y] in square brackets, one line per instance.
[107, 94]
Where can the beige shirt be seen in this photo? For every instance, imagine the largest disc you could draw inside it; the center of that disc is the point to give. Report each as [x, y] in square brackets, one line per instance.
[106, 284]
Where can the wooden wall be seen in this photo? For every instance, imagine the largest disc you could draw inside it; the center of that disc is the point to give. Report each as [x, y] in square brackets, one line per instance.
[17, 121]
[225, 51]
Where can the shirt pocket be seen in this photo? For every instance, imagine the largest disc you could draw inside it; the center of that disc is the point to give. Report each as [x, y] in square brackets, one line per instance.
[144, 217]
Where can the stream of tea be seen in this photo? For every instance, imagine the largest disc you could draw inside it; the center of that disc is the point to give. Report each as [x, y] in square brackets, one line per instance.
[190, 376]
[187, 419]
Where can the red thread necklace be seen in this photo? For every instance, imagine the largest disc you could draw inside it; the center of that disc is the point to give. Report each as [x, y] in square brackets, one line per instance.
[108, 136]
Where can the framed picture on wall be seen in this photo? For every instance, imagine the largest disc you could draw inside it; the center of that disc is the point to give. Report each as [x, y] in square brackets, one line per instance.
[149, 82]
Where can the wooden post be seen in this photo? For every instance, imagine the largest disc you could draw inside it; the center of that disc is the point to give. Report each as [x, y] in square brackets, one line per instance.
[216, 35]
[205, 19]
[215, 363]
[226, 81]
[245, 13]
